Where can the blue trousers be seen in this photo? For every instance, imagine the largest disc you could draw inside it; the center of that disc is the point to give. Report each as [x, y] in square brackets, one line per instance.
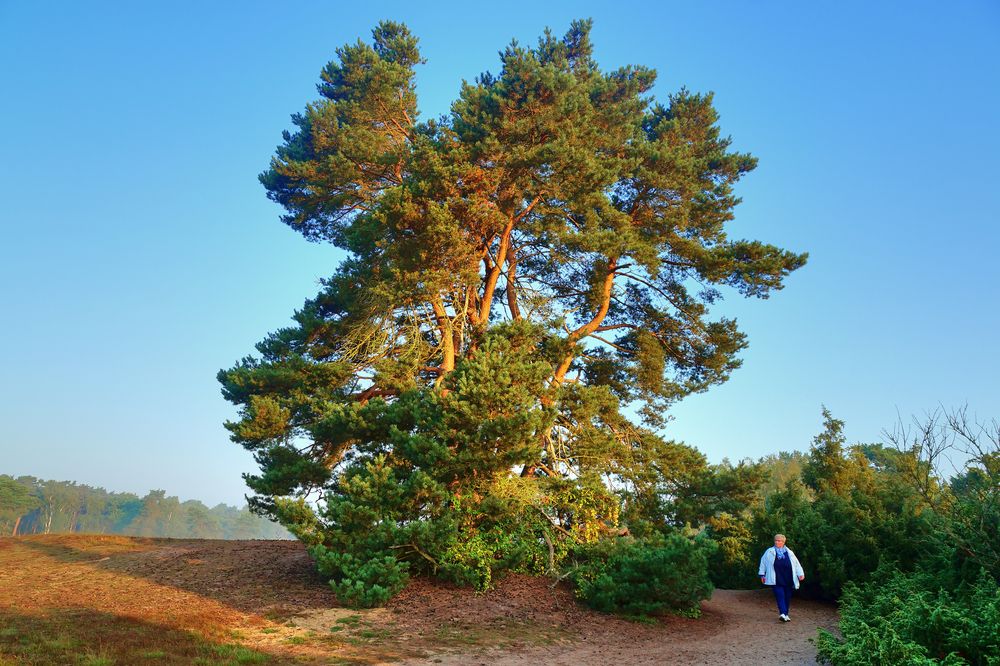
[783, 595]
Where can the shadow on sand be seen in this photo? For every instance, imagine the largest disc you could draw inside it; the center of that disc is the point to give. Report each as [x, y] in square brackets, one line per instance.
[275, 579]
[85, 636]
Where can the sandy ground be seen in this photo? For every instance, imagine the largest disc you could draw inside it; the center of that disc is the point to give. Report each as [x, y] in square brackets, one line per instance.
[267, 596]
[737, 627]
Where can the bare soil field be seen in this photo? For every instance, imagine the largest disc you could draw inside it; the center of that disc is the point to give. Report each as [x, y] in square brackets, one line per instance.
[101, 600]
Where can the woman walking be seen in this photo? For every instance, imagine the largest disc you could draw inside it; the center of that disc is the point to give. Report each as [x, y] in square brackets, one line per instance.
[780, 569]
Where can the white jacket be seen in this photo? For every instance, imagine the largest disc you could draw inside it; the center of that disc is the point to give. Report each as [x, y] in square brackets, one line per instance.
[767, 566]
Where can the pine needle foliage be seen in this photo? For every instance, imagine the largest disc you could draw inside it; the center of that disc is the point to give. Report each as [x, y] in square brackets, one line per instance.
[516, 272]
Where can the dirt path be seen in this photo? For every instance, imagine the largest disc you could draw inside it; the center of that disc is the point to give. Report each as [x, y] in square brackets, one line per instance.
[737, 627]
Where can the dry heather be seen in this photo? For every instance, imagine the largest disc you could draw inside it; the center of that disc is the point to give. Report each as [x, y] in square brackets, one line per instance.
[99, 600]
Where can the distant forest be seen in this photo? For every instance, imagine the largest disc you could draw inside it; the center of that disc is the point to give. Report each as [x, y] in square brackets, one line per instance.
[36, 506]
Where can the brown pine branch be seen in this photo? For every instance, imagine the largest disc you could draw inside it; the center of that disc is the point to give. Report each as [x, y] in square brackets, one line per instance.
[588, 328]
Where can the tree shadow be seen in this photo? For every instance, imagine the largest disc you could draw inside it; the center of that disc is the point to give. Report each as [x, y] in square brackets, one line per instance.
[272, 578]
[85, 636]
[97, 596]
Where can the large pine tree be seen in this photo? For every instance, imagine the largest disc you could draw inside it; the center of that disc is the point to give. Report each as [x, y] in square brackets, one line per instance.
[516, 273]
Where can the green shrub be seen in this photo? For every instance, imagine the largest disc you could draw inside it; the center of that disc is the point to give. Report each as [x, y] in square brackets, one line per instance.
[361, 582]
[844, 527]
[923, 617]
[642, 577]
[732, 566]
[479, 557]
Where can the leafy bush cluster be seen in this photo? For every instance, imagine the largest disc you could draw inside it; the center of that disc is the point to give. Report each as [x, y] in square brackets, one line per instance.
[913, 558]
[643, 577]
[732, 565]
[934, 596]
[929, 616]
[428, 489]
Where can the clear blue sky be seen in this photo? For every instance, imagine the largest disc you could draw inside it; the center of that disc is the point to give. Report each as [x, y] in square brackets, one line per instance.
[139, 255]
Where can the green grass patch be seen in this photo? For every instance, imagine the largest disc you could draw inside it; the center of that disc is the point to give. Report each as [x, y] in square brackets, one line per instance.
[92, 659]
[240, 654]
[60, 642]
[374, 634]
[349, 620]
[92, 638]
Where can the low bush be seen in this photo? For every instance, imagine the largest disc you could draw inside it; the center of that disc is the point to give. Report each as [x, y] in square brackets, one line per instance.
[642, 577]
[732, 566]
[361, 583]
[916, 618]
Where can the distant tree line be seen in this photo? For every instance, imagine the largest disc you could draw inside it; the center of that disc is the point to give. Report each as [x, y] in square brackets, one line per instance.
[35, 506]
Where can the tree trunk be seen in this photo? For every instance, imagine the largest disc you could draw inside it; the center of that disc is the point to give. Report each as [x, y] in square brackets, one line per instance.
[515, 311]
[16, 524]
[447, 338]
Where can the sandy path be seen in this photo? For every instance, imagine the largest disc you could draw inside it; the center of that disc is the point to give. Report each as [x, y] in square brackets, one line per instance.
[737, 627]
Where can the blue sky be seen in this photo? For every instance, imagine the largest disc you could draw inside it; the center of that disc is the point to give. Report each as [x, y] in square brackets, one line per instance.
[139, 254]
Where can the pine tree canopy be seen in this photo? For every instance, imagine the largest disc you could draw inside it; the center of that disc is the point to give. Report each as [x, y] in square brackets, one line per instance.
[517, 272]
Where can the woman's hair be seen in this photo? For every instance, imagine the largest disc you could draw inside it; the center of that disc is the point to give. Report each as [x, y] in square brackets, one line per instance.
[780, 536]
